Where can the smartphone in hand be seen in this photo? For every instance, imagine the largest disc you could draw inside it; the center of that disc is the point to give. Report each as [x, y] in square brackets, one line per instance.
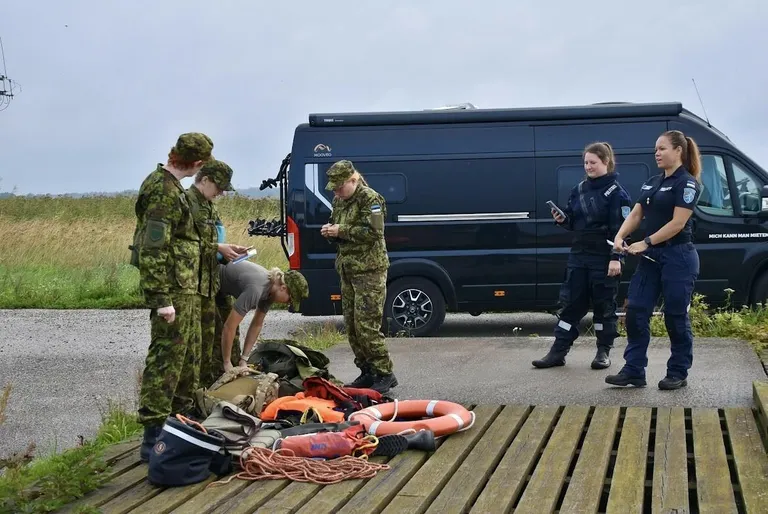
[558, 210]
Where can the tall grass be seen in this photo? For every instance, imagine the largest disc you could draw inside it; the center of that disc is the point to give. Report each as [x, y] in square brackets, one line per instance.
[60, 252]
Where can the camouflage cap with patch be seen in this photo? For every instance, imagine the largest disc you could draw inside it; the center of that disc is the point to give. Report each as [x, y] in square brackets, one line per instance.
[339, 173]
[297, 287]
[194, 146]
[220, 173]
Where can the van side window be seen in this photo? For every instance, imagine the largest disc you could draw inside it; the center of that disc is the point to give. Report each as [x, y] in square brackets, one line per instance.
[747, 189]
[392, 186]
[715, 195]
[632, 176]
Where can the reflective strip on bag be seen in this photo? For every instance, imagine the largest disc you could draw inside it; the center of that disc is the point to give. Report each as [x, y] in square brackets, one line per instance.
[191, 439]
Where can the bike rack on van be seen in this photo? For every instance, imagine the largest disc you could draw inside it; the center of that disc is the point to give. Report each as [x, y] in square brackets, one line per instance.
[276, 227]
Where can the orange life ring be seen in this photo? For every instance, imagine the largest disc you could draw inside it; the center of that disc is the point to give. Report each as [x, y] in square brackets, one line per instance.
[444, 417]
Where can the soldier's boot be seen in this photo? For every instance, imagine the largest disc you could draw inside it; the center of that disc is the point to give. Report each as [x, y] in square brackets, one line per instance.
[151, 433]
[365, 380]
[555, 356]
[384, 382]
[421, 440]
[601, 360]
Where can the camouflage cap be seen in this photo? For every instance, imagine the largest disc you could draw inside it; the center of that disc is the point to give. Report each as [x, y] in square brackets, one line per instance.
[194, 146]
[219, 172]
[297, 287]
[339, 173]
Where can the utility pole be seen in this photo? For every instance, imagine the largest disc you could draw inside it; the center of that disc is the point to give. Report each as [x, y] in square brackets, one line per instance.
[7, 86]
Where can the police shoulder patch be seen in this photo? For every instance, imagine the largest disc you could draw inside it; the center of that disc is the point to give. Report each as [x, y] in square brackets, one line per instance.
[625, 210]
[689, 194]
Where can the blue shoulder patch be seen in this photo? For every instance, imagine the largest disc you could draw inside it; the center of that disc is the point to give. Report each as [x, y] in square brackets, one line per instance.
[625, 210]
[689, 194]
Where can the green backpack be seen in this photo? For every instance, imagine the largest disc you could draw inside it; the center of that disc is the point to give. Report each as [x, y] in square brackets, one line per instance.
[290, 361]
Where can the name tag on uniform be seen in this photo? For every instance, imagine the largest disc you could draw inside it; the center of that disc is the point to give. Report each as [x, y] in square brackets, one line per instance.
[647, 187]
[665, 188]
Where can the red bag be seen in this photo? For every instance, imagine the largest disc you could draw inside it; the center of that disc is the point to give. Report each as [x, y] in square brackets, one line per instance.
[330, 445]
[350, 399]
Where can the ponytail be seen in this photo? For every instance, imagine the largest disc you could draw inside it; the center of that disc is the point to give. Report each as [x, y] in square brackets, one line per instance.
[690, 151]
[275, 276]
[693, 159]
[604, 152]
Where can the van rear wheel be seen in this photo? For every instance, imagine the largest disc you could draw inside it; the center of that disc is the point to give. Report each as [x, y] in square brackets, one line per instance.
[760, 290]
[415, 306]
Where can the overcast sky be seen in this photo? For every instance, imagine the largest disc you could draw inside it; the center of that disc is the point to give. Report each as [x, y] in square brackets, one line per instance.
[107, 86]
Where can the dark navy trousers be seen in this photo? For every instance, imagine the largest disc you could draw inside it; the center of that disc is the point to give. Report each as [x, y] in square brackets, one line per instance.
[673, 275]
[587, 280]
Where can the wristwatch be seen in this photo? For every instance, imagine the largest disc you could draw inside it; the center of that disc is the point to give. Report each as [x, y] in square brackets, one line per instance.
[647, 241]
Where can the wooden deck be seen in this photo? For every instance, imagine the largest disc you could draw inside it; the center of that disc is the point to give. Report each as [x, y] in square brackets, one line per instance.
[517, 458]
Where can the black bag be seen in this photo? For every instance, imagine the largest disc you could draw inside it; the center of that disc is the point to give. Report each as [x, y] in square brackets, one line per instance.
[184, 455]
[292, 365]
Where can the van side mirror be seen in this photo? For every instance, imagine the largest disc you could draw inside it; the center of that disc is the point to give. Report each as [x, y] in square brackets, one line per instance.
[763, 203]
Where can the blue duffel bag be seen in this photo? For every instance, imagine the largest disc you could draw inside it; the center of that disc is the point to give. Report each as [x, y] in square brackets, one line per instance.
[185, 454]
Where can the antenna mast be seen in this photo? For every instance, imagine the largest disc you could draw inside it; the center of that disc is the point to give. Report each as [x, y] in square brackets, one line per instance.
[702, 104]
[7, 86]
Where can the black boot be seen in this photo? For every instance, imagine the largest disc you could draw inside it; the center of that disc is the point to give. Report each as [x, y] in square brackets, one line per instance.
[553, 358]
[384, 383]
[365, 380]
[669, 383]
[622, 379]
[421, 440]
[151, 433]
[601, 360]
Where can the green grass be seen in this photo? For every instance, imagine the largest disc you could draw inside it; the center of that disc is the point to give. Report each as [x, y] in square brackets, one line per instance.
[45, 484]
[72, 253]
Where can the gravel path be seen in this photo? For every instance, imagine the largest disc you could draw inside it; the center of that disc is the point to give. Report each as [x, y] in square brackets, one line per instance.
[65, 366]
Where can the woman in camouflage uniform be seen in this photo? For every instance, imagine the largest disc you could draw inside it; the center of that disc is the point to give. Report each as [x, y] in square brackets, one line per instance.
[211, 182]
[357, 226]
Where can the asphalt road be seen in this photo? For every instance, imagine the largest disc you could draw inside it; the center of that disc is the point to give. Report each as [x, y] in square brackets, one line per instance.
[65, 366]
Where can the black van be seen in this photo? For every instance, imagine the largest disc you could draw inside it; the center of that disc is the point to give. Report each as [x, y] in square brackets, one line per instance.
[468, 227]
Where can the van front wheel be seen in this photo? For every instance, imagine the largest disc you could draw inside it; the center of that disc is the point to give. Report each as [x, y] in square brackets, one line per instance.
[415, 307]
[760, 290]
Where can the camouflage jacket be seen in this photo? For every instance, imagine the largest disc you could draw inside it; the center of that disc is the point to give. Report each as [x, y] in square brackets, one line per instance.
[169, 244]
[361, 244]
[206, 215]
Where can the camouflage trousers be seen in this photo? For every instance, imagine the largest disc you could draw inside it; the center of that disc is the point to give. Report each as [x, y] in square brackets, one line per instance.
[210, 367]
[172, 367]
[362, 300]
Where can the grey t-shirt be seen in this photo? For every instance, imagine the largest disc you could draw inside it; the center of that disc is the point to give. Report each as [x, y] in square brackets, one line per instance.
[248, 283]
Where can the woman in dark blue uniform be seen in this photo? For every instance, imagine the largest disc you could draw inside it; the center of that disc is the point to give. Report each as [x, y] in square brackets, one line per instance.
[596, 209]
[666, 202]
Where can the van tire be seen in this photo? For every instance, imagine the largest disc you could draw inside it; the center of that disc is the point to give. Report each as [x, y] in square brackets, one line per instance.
[759, 290]
[405, 305]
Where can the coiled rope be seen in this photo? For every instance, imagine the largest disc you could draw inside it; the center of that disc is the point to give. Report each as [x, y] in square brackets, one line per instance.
[265, 464]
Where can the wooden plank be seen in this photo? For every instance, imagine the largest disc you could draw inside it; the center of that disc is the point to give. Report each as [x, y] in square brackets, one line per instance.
[291, 498]
[395, 493]
[116, 451]
[749, 458]
[713, 481]
[119, 467]
[213, 496]
[508, 479]
[626, 494]
[760, 396]
[467, 482]
[333, 496]
[670, 462]
[111, 489]
[172, 497]
[131, 498]
[252, 497]
[586, 485]
[548, 479]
